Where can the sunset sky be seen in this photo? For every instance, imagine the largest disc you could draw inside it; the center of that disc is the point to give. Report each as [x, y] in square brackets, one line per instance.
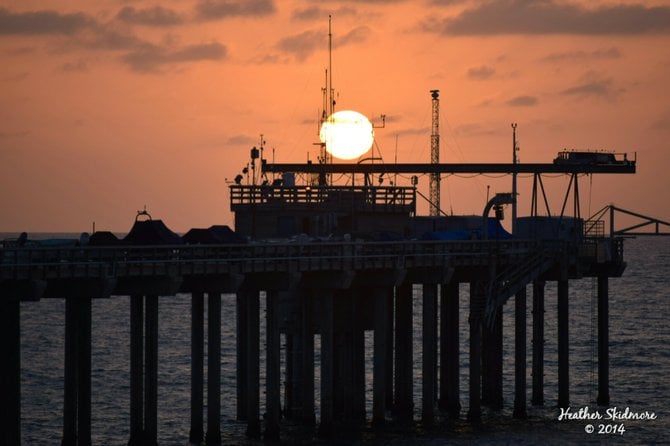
[111, 105]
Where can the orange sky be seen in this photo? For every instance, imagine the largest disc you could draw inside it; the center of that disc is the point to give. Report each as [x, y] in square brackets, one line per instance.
[108, 106]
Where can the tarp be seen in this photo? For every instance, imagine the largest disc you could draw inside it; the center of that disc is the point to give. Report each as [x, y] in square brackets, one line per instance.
[217, 234]
[151, 232]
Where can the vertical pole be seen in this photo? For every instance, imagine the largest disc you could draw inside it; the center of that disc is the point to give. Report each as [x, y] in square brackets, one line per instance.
[474, 412]
[241, 344]
[196, 434]
[520, 354]
[449, 350]
[213, 435]
[84, 378]
[253, 364]
[273, 365]
[603, 341]
[136, 370]
[404, 390]
[307, 359]
[327, 362]
[563, 345]
[379, 360]
[70, 378]
[538, 343]
[10, 370]
[151, 371]
[429, 331]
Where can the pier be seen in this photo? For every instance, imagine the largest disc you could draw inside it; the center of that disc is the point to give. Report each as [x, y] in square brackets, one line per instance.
[336, 290]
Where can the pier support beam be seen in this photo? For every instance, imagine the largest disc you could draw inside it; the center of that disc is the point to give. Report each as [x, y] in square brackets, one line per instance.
[10, 370]
[272, 367]
[213, 435]
[538, 343]
[253, 363]
[449, 350]
[475, 410]
[429, 363]
[196, 434]
[563, 345]
[327, 362]
[404, 390]
[520, 354]
[380, 355]
[603, 341]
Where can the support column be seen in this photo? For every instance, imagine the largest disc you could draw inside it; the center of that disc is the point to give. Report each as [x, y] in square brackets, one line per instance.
[492, 363]
[84, 372]
[253, 364]
[538, 343]
[70, 374]
[429, 332]
[308, 417]
[404, 390]
[213, 435]
[563, 346]
[520, 354]
[475, 411]
[603, 341]
[449, 350]
[327, 362]
[358, 360]
[241, 344]
[390, 294]
[151, 372]
[136, 370]
[273, 365]
[10, 371]
[196, 434]
[380, 352]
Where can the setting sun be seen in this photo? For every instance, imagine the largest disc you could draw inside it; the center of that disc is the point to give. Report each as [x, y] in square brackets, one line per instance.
[347, 134]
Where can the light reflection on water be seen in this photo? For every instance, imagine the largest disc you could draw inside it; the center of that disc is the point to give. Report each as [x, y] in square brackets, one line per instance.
[639, 360]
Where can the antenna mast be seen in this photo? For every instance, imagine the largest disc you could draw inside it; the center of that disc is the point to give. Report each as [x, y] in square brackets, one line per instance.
[434, 194]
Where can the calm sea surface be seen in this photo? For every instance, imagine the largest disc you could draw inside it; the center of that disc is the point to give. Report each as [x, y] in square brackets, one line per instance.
[639, 373]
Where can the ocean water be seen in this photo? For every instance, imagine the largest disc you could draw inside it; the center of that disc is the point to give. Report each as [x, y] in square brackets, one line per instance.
[639, 368]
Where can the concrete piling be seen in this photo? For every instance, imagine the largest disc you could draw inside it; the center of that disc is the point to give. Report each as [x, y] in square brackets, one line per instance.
[538, 343]
[603, 398]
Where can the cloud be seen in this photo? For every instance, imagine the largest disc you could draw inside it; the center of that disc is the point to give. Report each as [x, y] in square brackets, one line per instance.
[552, 17]
[593, 86]
[76, 66]
[522, 101]
[156, 16]
[316, 13]
[475, 129]
[307, 42]
[578, 56]
[19, 134]
[151, 58]
[481, 73]
[241, 140]
[41, 22]
[220, 9]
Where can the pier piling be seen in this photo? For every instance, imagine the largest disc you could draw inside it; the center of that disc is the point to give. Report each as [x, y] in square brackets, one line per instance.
[196, 433]
[429, 330]
[563, 346]
[136, 370]
[538, 343]
[450, 350]
[474, 412]
[520, 354]
[404, 390]
[213, 435]
[272, 367]
[603, 341]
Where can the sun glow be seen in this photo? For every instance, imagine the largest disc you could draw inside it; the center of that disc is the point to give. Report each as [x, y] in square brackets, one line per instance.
[347, 134]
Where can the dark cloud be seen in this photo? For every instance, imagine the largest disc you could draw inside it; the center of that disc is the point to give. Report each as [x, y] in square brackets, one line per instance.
[241, 140]
[475, 129]
[304, 44]
[481, 73]
[316, 13]
[151, 58]
[662, 124]
[522, 101]
[75, 66]
[41, 22]
[552, 17]
[593, 86]
[220, 9]
[578, 56]
[16, 77]
[156, 16]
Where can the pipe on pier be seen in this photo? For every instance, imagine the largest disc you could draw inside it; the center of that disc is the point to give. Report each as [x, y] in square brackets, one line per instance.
[213, 435]
[449, 350]
[538, 343]
[404, 382]
[603, 398]
[520, 354]
[563, 345]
